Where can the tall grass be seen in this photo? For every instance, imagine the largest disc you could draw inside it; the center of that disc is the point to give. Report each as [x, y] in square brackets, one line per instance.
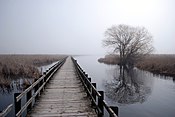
[25, 65]
[110, 59]
[156, 63]
[159, 63]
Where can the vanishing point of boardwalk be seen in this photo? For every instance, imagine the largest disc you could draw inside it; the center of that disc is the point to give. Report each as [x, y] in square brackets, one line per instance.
[64, 96]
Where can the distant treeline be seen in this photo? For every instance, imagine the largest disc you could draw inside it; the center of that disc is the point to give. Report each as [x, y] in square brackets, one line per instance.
[155, 63]
[25, 65]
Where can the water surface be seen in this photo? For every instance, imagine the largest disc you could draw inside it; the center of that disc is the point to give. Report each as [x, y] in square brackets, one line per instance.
[137, 93]
[10, 85]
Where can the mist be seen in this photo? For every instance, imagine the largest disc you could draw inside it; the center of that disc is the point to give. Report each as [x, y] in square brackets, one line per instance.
[77, 27]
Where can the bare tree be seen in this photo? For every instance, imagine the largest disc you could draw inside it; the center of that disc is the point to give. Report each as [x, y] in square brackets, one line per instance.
[132, 43]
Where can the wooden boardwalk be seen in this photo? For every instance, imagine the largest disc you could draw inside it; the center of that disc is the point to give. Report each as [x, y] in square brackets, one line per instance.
[64, 96]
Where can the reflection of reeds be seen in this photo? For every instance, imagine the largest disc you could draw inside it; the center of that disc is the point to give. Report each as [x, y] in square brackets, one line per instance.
[5, 85]
[25, 65]
[8, 84]
[4, 82]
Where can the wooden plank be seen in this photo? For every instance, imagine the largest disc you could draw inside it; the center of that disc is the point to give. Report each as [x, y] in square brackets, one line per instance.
[64, 96]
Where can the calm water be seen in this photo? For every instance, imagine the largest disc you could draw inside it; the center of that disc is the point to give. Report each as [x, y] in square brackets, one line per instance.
[137, 93]
[10, 85]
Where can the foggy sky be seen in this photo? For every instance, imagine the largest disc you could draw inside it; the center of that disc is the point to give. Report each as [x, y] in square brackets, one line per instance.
[78, 26]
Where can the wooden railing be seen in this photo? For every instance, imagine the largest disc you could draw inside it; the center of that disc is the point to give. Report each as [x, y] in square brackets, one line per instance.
[96, 97]
[6, 111]
[33, 91]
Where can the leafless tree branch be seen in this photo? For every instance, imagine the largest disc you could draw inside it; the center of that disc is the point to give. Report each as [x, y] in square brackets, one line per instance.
[132, 43]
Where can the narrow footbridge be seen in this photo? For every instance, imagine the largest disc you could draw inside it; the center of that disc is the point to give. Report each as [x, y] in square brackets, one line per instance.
[65, 90]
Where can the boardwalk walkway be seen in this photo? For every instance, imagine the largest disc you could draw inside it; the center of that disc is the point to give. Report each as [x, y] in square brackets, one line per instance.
[64, 96]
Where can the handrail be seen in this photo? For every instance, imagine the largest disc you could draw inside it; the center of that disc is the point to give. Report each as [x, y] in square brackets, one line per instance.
[38, 85]
[83, 75]
[6, 111]
[92, 92]
[35, 83]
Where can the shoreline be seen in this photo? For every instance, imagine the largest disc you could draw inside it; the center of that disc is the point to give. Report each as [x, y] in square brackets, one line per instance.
[156, 64]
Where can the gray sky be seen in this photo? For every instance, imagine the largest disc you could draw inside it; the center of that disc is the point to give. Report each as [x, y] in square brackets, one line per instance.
[77, 26]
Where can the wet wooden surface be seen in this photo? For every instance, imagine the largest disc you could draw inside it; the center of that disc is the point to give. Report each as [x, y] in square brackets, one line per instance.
[64, 96]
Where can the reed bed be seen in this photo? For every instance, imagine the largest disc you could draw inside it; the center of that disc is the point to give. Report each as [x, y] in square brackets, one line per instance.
[156, 63]
[159, 64]
[110, 59]
[25, 65]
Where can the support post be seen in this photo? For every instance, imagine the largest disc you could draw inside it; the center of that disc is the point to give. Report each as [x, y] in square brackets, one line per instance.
[42, 82]
[29, 95]
[75, 61]
[86, 75]
[44, 73]
[93, 94]
[35, 89]
[115, 109]
[100, 103]
[17, 104]
[89, 85]
[86, 78]
[39, 84]
[45, 76]
[89, 79]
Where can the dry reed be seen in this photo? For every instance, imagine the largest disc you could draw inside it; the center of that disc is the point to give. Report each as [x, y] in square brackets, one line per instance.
[159, 64]
[25, 65]
[155, 63]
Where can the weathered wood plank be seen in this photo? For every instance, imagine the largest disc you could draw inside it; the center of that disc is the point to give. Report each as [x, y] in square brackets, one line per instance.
[64, 96]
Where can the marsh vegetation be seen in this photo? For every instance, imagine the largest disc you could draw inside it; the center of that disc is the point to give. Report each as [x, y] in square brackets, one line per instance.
[156, 63]
[25, 65]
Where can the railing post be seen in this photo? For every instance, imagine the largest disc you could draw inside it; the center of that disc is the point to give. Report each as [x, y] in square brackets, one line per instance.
[89, 79]
[29, 95]
[39, 84]
[86, 75]
[86, 79]
[100, 103]
[89, 85]
[42, 82]
[17, 104]
[45, 78]
[35, 89]
[93, 94]
[44, 73]
[96, 98]
[115, 109]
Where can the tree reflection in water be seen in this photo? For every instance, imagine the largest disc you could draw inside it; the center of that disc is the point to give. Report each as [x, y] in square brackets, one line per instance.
[129, 86]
